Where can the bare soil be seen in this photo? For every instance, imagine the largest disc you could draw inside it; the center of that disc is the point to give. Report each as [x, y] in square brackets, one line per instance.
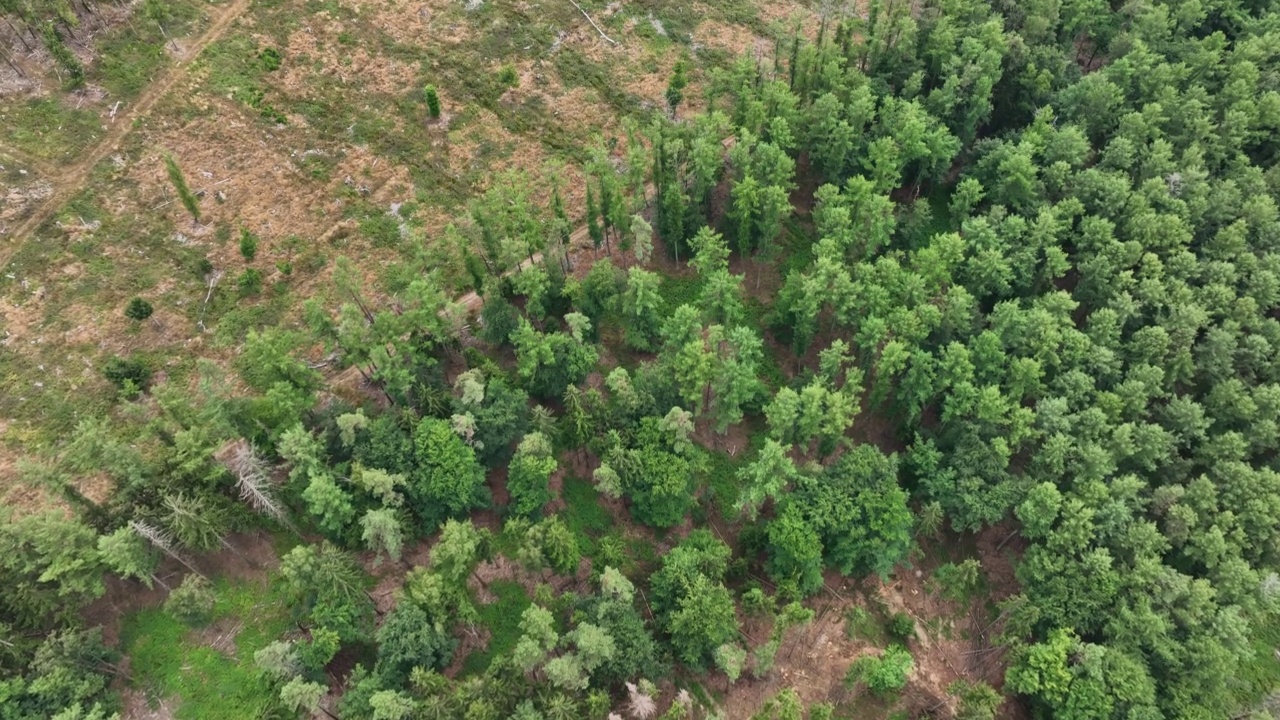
[952, 643]
[138, 706]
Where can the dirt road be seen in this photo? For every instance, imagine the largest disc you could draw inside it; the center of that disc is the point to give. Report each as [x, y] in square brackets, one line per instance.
[72, 180]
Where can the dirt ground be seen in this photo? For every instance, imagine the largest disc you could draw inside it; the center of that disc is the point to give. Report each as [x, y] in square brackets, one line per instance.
[952, 642]
[138, 706]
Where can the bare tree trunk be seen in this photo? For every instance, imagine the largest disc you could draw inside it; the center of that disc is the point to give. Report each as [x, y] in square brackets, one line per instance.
[18, 33]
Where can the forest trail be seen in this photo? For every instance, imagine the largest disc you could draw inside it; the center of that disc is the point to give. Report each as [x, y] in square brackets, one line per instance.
[72, 180]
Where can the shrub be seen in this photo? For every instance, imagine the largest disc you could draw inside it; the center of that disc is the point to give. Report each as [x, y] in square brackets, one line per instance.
[129, 375]
[248, 244]
[508, 77]
[249, 282]
[902, 627]
[978, 701]
[756, 602]
[270, 59]
[958, 581]
[192, 601]
[883, 675]
[138, 309]
[202, 267]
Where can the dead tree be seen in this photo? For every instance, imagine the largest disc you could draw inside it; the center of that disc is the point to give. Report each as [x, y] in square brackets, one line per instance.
[253, 480]
[162, 541]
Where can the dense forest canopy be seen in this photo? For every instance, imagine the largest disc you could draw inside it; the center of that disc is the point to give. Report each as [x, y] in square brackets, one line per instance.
[1038, 240]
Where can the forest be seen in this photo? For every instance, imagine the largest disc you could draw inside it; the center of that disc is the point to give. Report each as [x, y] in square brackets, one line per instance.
[939, 268]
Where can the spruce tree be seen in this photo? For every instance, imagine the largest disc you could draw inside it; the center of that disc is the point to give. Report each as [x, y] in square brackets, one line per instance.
[138, 309]
[433, 102]
[675, 88]
[593, 227]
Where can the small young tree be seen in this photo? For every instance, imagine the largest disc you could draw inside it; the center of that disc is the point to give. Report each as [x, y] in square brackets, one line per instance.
[195, 521]
[248, 244]
[642, 308]
[278, 660]
[884, 675]
[138, 309]
[391, 705]
[188, 198]
[703, 621]
[461, 547]
[730, 659]
[538, 638]
[433, 102]
[192, 601]
[676, 86]
[408, 639]
[593, 222]
[678, 425]
[607, 481]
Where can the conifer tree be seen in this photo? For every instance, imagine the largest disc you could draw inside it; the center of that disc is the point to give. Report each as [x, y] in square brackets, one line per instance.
[433, 102]
[675, 88]
[593, 225]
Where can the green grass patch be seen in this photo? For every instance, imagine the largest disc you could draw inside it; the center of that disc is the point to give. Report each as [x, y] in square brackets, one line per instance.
[49, 129]
[128, 65]
[583, 513]
[169, 660]
[236, 70]
[236, 316]
[130, 57]
[722, 479]
[863, 624]
[720, 469]
[795, 251]
[680, 290]
[576, 70]
[502, 619]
